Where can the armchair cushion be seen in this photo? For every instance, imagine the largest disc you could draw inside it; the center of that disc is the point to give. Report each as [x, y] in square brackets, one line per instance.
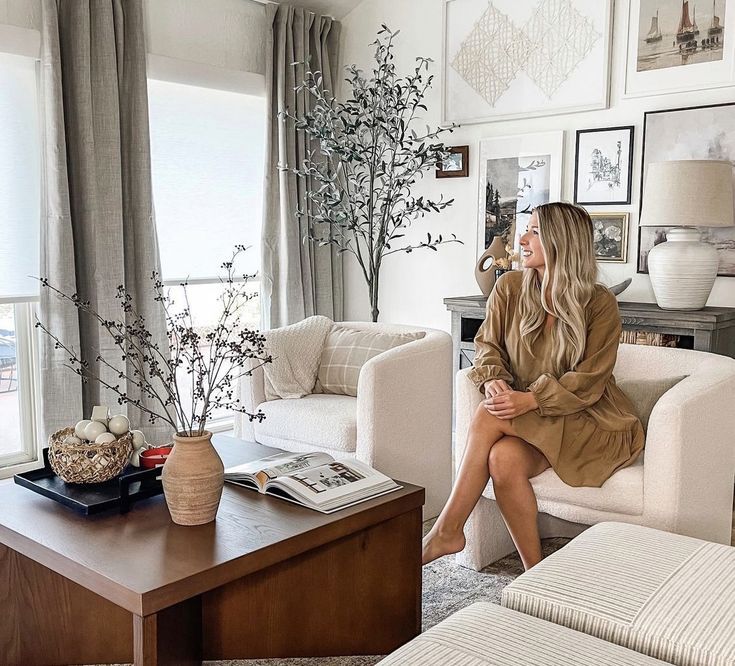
[315, 421]
[346, 350]
[645, 393]
[296, 351]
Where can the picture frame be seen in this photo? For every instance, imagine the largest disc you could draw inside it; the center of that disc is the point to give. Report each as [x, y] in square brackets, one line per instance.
[697, 132]
[457, 165]
[516, 174]
[610, 236]
[504, 59]
[665, 61]
[603, 166]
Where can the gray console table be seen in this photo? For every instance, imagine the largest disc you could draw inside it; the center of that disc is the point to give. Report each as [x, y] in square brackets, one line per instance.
[710, 329]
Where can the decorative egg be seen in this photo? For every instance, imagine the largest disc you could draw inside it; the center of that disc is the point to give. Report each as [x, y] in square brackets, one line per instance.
[138, 439]
[94, 430]
[79, 428]
[105, 438]
[71, 440]
[119, 425]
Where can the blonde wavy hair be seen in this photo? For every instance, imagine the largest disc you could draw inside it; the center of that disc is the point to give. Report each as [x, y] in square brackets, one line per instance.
[568, 283]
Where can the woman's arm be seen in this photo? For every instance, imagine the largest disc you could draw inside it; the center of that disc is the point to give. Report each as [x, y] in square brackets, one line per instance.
[584, 386]
[491, 358]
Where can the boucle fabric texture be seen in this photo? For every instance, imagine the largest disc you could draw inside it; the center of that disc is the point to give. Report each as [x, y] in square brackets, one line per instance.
[669, 596]
[488, 635]
[346, 350]
[645, 393]
[296, 351]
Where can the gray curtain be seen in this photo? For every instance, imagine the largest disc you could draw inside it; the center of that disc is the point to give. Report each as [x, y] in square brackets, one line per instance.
[298, 279]
[98, 230]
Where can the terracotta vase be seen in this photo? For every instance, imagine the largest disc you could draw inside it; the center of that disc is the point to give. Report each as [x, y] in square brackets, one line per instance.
[485, 271]
[193, 478]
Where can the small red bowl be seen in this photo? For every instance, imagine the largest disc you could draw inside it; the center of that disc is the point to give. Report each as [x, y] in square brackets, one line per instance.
[155, 457]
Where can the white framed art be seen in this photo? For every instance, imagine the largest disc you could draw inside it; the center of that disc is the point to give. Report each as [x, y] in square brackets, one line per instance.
[505, 59]
[678, 45]
[516, 174]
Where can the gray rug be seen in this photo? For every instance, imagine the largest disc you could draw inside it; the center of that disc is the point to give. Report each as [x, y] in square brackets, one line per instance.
[447, 588]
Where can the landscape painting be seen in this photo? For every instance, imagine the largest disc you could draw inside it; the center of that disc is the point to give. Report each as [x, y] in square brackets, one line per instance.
[517, 174]
[672, 33]
[698, 133]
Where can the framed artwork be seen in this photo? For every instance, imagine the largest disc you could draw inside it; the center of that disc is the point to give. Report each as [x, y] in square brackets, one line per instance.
[610, 236]
[679, 45]
[696, 133]
[506, 59]
[603, 166]
[517, 173]
[456, 165]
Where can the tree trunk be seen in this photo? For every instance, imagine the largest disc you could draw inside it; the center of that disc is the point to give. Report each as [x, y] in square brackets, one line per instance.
[373, 288]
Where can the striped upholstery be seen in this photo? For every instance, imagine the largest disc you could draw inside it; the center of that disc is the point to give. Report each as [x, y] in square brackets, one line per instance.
[665, 595]
[488, 635]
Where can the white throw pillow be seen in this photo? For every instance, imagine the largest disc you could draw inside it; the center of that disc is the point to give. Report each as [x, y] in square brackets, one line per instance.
[296, 351]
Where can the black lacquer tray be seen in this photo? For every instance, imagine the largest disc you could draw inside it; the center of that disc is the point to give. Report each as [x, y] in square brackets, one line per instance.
[120, 492]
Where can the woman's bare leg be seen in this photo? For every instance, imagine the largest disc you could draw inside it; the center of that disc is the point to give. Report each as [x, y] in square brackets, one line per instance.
[512, 462]
[447, 535]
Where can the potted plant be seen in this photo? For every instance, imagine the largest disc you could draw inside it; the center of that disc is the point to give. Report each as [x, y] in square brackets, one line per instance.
[205, 364]
[359, 182]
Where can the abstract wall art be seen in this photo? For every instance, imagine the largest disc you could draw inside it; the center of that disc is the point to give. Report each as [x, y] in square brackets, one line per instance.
[506, 59]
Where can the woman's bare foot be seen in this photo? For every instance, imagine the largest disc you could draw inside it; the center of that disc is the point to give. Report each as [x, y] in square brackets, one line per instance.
[438, 543]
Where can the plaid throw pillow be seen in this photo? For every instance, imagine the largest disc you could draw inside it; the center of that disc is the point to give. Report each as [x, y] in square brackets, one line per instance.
[347, 350]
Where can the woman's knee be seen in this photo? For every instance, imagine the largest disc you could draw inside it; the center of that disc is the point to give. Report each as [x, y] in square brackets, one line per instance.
[484, 421]
[506, 461]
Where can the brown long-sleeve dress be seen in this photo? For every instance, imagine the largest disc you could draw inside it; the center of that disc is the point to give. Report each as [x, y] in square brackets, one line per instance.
[584, 424]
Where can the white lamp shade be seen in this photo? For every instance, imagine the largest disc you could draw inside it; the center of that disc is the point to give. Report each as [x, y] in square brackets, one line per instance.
[692, 193]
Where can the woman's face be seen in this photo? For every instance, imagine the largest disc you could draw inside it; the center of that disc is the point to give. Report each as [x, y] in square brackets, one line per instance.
[532, 254]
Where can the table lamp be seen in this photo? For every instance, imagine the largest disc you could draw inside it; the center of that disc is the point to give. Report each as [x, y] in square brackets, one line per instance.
[685, 194]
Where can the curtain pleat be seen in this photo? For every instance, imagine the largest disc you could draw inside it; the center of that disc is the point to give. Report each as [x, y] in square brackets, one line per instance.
[298, 278]
[98, 230]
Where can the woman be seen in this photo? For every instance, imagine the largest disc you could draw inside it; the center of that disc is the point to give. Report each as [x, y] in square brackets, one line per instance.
[544, 361]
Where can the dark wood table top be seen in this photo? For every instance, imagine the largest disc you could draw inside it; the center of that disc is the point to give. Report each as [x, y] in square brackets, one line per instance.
[144, 562]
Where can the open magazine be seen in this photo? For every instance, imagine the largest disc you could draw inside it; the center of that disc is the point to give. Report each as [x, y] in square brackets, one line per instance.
[314, 480]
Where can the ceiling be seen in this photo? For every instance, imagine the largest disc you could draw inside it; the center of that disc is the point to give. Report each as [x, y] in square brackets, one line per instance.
[336, 8]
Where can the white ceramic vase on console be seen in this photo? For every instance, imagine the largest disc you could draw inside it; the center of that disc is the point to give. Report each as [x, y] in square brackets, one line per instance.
[686, 194]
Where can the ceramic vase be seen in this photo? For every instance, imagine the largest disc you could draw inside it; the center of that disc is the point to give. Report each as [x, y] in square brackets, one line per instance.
[193, 478]
[485, 271]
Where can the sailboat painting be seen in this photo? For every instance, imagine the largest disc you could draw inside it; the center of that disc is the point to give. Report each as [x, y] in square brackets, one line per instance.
[672, 33]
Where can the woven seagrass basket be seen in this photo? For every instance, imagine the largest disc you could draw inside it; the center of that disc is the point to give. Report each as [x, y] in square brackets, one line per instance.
[88, 463]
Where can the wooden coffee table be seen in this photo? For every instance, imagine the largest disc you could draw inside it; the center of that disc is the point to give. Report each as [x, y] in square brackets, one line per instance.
[266, 579]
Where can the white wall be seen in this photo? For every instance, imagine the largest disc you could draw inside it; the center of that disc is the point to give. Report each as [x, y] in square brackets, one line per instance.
[413, 286]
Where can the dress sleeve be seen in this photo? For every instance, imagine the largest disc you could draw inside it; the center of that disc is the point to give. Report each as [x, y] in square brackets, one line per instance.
[584, 386]
[491, 357]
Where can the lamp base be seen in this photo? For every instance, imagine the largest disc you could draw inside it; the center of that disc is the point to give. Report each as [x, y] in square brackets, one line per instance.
[682, 270]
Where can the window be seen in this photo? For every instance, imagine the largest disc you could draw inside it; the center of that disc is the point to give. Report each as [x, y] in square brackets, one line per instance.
[207, 149]
[20, 196]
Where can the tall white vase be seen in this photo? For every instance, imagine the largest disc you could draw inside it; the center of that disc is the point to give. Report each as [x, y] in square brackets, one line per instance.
[682, 270]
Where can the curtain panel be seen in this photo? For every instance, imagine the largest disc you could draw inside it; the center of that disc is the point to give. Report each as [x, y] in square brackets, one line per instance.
[299, 279]
[98, 228]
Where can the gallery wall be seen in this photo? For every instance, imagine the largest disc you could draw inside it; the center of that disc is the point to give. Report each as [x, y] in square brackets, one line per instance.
[414, 285]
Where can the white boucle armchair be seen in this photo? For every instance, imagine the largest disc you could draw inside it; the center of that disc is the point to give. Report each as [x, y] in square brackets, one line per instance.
[400, 423]
[683, 483]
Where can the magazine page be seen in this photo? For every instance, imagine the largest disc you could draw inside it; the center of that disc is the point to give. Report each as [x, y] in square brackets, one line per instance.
[261, 470]
[337, 483]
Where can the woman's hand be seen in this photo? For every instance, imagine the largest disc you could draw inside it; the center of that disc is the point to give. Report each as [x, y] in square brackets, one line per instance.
[510, 404]
[495, 387]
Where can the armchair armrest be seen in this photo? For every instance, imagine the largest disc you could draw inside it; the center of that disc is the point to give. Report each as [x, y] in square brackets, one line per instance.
[690, 452]
[404, 415]
[252, 394]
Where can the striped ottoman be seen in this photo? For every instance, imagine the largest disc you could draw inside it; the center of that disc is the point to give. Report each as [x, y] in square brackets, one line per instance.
[668, 596]
[486, 634]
